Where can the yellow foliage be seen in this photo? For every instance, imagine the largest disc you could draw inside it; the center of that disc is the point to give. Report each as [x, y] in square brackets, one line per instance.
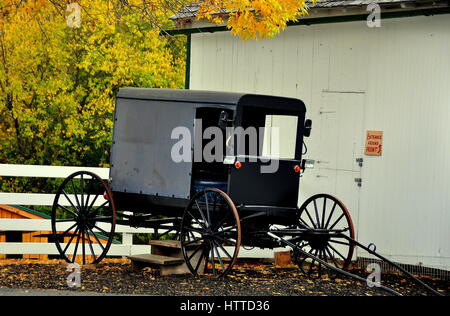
[253, 19]
[57, 83]
[249, 19]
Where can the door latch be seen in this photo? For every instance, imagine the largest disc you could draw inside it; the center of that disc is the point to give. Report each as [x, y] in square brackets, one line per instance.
[360, 161]
[358, 181]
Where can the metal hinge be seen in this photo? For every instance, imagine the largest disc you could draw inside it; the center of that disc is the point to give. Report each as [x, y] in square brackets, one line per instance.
[360, 161]
[358, 181]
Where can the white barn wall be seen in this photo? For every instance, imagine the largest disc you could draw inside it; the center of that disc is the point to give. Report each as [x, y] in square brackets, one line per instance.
[402, 72]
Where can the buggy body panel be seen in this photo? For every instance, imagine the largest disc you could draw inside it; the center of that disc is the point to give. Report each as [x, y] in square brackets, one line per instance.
[141, 159]
[248, 186]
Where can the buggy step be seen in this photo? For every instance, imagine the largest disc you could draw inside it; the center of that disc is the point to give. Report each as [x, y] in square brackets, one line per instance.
[157, 259]
[166, 243]
[175, 244]
[166, 255]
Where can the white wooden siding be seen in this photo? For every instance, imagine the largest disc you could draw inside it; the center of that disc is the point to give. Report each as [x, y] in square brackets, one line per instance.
[403, 72]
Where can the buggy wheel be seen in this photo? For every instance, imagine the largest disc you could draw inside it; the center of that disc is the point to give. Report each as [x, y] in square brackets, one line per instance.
[210, 233]
[83, 218]
[325, 215]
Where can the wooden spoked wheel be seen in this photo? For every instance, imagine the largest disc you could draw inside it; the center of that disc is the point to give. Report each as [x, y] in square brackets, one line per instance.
[326, 216]
[83, 218]
[210, 233]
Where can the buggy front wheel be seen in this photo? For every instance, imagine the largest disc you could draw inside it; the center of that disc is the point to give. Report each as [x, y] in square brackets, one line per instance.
[83, 218]
[210, 233]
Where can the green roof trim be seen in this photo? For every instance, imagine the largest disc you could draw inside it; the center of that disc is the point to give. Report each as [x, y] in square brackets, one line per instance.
[37, 213]
[323, 20]
[187, 79]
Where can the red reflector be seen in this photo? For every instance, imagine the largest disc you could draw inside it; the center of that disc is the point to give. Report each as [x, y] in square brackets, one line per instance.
[297, 169]
[105, 196]
[238, 165]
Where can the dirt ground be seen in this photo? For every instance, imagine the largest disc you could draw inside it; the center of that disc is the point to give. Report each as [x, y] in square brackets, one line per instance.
[119, 277]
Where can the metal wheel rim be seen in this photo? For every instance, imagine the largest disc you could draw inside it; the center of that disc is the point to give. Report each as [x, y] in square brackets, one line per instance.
[105, 247]
[184, 244]
[323, 220]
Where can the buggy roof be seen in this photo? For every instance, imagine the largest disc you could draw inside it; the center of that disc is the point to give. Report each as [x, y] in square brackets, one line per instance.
[230, 99]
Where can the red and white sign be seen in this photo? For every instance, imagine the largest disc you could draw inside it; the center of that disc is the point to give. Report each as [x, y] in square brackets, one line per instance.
[374, 143]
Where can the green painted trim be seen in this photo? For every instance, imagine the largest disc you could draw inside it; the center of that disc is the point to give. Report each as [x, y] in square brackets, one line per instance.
[325, 20]
[187, 82]
[37, 213]
[210, 29]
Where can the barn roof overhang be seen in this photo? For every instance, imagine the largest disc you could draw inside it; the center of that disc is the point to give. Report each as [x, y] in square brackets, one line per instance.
[25, 212]
[323, 11]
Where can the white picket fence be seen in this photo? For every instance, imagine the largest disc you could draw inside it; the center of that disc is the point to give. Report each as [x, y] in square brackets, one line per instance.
[126, 247]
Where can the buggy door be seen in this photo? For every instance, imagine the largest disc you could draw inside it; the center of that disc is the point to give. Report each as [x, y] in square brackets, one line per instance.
[339, 130]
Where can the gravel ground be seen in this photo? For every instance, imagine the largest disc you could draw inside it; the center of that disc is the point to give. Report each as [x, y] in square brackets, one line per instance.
[118, 277]
[23, 292]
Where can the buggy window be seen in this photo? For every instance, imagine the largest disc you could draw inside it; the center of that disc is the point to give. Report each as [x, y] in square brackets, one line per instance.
[276, 133]
[280, 135]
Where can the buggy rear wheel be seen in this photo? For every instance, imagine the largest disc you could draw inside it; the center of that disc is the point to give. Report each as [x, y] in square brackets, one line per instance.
[210, 233]
[327, 217]
[83, 218]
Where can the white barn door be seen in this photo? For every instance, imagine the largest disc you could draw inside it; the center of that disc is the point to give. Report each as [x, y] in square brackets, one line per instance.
[339, 133]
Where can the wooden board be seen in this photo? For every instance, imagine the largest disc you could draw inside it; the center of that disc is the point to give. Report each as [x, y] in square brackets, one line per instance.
[166, 243]
[170, 244]
[156, 259]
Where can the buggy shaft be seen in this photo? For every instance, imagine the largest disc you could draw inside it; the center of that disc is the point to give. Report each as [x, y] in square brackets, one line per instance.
[293, 246]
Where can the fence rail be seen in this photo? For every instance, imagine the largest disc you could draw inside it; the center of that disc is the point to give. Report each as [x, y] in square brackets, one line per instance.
[126, 248]
[33, 171]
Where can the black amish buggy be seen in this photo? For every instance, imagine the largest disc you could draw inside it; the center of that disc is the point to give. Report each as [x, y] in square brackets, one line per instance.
[211, 208]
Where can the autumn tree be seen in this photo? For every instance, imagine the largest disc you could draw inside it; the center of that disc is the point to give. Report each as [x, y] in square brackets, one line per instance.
[57, 83]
